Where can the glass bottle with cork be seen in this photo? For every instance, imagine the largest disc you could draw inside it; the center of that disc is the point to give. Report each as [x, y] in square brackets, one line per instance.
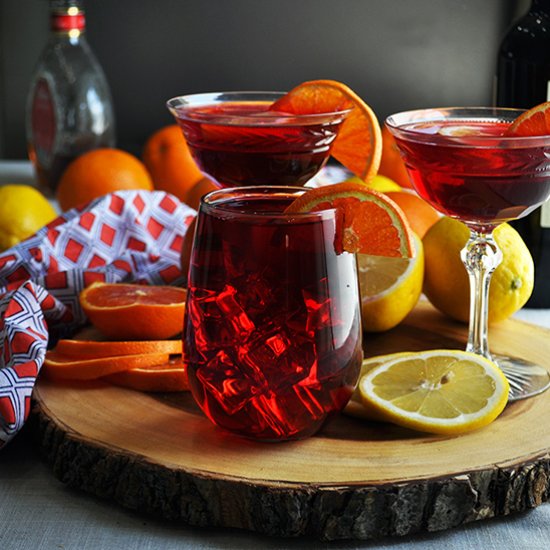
[69, 105]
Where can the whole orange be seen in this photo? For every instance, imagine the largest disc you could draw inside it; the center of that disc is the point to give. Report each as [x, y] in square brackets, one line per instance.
[418, 212]
[392, 165]
[201, 187]
[167, 157]
[99, 172]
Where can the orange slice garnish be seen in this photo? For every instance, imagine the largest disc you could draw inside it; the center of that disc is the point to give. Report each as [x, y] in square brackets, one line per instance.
[368, 221]
[534, 122]
[358, 145]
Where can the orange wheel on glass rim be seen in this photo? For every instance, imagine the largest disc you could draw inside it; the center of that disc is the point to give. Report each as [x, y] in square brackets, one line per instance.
[358, 145]
[134, 312]
[369, 222]
[534, 122]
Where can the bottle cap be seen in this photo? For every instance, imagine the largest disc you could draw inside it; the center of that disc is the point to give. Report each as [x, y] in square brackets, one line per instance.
[67, 20]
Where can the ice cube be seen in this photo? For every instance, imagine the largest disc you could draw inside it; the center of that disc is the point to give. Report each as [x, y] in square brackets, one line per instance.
[235, 315]
[230, 385]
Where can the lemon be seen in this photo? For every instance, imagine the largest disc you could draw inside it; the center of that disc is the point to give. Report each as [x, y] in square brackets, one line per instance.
[389, 287]
[23, 211]
[439, 391]
[446, 282]
[378, 183]
[356, 407]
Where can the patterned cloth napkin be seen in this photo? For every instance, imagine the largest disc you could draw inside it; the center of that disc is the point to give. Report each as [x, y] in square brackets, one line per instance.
[130, 236]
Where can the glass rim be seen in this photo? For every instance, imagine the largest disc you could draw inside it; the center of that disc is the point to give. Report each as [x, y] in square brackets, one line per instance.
[182, 108]
[396, 121]
[223, 195]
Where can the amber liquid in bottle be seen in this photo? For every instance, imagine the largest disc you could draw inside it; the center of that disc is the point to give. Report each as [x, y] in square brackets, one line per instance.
[69, 106]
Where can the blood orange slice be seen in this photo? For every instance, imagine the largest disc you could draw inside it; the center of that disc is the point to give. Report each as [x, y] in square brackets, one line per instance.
[134, 312]
[534, 122]
[61, 367]
[368, 221]
[167, 377]
[358, 145]
[92, 349]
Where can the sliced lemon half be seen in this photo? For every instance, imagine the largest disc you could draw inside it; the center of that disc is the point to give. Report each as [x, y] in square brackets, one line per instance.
[389, 287]
[439, 391]
[356, 407]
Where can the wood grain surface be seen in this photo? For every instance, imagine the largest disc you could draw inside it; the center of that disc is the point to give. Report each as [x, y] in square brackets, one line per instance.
[158, 454]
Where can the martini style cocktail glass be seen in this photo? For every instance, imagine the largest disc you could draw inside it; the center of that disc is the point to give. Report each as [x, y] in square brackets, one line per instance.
[463, 164]
[237, 140]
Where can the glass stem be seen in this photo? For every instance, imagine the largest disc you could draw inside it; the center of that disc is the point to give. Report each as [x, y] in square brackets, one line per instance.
[480, 256]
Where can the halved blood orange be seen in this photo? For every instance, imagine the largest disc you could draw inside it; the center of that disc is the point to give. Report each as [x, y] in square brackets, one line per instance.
[167, 377]
[134, 312]
[534, 122]
[368, 221]
[358, 145]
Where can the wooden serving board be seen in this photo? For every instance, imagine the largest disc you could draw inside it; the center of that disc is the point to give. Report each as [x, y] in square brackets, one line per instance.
[157, 453]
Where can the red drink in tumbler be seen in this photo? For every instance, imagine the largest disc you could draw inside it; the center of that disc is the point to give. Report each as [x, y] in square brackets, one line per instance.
[242, 143]
[272, 334]
[466, 170]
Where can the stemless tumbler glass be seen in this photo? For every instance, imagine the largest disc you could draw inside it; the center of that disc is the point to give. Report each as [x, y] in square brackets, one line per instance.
[272, 331]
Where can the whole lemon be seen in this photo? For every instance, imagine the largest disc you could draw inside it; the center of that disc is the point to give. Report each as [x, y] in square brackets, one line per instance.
[23, 211]
[390, 288]
[378, 183]
[446, 283]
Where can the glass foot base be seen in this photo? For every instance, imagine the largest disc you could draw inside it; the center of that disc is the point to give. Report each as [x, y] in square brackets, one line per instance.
[526, 379]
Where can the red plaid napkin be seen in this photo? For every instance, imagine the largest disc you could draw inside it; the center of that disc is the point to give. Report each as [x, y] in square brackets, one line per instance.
[131, 236]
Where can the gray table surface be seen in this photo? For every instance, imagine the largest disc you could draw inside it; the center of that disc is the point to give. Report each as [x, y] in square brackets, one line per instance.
[37, 512]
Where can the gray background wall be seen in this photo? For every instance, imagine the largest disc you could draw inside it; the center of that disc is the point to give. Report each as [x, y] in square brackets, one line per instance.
[397, 54]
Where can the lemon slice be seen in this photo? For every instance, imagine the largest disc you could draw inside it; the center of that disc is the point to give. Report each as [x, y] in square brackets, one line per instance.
[356, 407]
[440, 391]
[459, 131]
[390, 287]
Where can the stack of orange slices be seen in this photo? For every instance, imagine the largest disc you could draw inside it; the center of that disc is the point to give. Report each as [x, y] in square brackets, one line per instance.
[140, 320]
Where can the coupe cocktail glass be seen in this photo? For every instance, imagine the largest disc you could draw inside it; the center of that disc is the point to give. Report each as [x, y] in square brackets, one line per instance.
[272, 331]
[237, 141]
[462, 163]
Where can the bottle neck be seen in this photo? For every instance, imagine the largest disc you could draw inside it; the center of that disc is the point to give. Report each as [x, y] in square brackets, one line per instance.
[67, 18]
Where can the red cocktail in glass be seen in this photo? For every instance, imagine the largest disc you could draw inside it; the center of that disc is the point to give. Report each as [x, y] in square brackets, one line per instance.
[462, 162]
[237, 140]
[272, 330]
